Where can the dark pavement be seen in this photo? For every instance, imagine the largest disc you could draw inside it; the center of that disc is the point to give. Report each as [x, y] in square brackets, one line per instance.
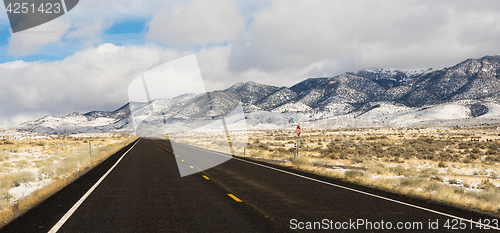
[145, 193]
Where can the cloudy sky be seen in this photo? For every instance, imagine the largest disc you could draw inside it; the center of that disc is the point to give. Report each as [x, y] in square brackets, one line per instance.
[85, 59]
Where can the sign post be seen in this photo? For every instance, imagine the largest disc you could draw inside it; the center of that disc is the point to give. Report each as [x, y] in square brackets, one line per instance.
[297, 145]
[90, 148]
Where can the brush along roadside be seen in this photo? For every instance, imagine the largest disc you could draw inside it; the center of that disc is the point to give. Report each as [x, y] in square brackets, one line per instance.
[454, 165]
[472, 192]
[34, 169]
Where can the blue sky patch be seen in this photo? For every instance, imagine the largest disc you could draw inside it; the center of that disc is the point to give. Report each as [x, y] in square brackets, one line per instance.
[127, 27]
[121, 33]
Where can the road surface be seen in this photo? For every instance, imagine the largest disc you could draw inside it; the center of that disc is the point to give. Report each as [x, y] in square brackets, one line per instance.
[145, 193]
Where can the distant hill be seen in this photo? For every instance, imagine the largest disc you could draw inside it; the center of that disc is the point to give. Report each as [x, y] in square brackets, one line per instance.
[465, 94]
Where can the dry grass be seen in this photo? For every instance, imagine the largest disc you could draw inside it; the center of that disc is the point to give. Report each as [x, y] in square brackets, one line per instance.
[302, 162]
[56, 161]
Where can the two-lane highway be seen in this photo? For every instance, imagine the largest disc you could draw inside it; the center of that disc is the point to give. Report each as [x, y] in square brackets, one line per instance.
[145, 193]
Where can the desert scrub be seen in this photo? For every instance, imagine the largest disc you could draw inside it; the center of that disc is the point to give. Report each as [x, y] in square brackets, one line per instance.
[434, 186]
[376, 168]
[398, 170]
[5, 198]
[459, 190]
[59, 159]
[434, 162]
[256, 155]
[23, 177]
[302, 161]
[353, 174]
[280, 156]
[322, 161]
[453, 181]
[11, 180]
[4, 156]
[48, 171]
[67, 165]
[21, 164]
[40, 163]
[357, 159]
[410, 182]
[491, 196]
[486, 184]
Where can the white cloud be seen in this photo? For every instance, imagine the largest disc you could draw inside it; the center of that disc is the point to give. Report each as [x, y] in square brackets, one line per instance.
[360, 34]
[197, 23]
[91, 79]
[90, 32]
[95, 78]
[85, 23]
[120, 9]
[29, 41]
[274, 42]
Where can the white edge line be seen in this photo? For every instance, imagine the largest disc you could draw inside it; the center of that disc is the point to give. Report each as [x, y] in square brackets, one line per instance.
[61, 222]
[354, 190]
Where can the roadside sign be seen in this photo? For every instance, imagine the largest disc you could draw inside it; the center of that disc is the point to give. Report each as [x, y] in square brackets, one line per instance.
[296, 154]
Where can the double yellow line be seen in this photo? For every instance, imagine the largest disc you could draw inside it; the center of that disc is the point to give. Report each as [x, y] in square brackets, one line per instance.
[229, 194]
[204, 176]
[171, 152]
[164, 148]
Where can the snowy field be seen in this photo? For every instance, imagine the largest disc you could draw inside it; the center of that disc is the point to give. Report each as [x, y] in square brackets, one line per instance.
[34, 165]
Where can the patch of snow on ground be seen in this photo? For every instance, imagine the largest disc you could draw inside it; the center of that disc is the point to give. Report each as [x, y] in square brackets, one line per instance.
[26, 189]
[438, 112]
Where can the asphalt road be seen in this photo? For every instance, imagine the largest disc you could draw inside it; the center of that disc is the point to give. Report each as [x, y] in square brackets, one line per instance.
[145, 193]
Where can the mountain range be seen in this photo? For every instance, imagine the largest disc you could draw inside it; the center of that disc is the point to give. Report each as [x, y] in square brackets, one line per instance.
[465, 94]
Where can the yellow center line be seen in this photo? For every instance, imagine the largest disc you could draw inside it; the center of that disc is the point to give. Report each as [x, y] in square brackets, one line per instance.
[191, 166]
[164, 148]
[206, 177]
[235, 198]
[182, 160]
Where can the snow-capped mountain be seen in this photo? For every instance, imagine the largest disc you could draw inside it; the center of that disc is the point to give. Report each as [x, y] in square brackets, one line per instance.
[465, 94]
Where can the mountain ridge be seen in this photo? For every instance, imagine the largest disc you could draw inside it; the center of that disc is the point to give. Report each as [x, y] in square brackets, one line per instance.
[473, 84]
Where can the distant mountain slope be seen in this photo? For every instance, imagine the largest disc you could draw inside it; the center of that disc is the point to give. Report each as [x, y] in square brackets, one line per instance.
[471, 89]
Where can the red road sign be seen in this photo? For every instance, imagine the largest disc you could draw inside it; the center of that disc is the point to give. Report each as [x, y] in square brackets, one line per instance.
[298, 130]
